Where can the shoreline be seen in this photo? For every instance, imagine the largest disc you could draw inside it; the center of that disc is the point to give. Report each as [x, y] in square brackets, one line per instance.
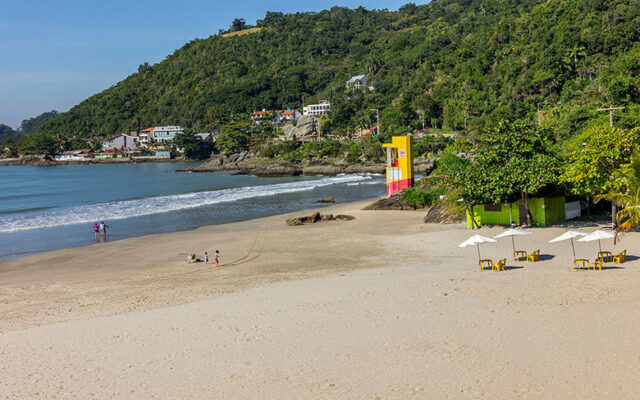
[317, 206]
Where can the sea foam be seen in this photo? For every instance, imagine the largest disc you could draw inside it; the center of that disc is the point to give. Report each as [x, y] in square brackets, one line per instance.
[161, 204]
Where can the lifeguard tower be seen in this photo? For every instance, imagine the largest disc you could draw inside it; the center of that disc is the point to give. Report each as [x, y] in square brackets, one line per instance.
[399, 164]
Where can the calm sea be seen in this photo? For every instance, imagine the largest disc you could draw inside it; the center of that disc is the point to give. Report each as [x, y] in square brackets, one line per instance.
[49, 208]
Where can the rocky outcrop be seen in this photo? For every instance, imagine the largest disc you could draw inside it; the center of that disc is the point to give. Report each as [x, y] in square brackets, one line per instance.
[37, 160]
[393, 203]
[246, 163]
[439, 213]
[317, 217]
[327, 200]
[305, 127]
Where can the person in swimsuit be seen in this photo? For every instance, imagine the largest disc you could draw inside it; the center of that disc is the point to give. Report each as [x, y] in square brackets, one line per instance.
[103, 230]
[96, 231]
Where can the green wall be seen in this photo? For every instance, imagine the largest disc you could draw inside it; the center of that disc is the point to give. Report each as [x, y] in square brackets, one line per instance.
[545, 211]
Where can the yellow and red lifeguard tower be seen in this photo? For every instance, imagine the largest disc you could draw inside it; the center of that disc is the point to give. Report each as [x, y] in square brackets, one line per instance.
[399, 164]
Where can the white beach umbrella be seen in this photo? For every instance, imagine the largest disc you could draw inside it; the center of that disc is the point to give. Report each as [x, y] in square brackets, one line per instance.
[597, 235]
[512, 233]
[476, 240]
[569, 235]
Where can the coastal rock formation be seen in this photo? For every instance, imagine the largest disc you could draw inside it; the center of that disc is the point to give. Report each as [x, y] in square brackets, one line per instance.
[305, 126]
[249, 164]
[328, 199]
[393, 203]
[439, 213]
[317, 217]
[36, 160]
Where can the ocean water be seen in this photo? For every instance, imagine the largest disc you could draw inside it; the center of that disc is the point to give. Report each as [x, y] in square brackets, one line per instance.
[49, 208]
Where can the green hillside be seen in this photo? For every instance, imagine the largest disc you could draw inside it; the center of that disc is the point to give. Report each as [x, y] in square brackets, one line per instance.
[446, 63]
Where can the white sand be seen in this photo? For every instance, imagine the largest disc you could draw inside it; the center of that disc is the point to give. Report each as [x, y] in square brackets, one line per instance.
[388, 308]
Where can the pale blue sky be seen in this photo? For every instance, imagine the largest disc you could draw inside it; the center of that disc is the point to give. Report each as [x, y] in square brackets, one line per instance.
[54, 54]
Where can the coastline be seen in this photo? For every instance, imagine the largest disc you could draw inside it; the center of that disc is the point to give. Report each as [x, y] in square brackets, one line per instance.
[381, 306]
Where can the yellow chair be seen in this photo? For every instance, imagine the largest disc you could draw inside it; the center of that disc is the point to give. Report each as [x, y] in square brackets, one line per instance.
[620, 257]
[598, 264]
[534, 256]
[499, 266]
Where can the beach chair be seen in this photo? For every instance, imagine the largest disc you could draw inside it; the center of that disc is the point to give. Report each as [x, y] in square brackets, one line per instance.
[534, 256]
[620, 257]
[499, 265]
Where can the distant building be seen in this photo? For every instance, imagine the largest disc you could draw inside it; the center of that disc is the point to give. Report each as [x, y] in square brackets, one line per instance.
[277, 116]
[357, 82]
[144, 135]
[159, 133]
[316, 110]
[120, 142]
[290, 114]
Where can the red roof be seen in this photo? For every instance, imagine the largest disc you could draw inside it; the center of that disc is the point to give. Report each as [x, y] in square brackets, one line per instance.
[280, 112]
[147, 130]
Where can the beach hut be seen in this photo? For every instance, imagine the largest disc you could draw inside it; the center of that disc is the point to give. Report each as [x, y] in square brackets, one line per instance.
[545, 211]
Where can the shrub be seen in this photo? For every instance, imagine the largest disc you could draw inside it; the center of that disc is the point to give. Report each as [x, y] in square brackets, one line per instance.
[426, 197]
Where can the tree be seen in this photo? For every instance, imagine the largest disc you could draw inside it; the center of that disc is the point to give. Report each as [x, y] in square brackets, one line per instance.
[574, 53]
[192, 145]
[514, 158]
[238, 24]
[590, 168]
[234, 137]
[627, 196]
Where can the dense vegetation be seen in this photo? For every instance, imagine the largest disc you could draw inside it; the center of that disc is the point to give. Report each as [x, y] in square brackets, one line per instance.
[448, 64]
[9, 137]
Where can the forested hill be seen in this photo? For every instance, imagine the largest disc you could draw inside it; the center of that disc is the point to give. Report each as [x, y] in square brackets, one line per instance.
[443, 61]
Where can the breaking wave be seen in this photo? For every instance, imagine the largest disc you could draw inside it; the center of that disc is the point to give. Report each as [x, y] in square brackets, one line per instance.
[161, 204]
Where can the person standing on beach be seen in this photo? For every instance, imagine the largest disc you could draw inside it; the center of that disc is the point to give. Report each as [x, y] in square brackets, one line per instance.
[96, 231]
[103, 230]
[217, 257]
[206, 257]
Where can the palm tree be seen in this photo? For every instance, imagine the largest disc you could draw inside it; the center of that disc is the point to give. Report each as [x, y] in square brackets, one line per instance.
[628, 197]
[574, 53]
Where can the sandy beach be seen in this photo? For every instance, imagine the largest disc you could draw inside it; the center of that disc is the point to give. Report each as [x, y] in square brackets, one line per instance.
[381, 307]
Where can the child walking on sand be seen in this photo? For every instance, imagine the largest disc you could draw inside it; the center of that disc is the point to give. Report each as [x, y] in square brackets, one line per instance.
[217, 257]
[206, 257]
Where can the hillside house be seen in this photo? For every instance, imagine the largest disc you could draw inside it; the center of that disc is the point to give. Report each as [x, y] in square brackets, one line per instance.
[317, 110]
[120, 142]
[275, 116]
[159, 133]
[357, 82]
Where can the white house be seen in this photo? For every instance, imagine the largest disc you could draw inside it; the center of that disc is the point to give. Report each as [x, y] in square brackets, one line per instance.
[277, 116]
[357, 82]
[120, 142]
[321, 108]
[159, 134]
